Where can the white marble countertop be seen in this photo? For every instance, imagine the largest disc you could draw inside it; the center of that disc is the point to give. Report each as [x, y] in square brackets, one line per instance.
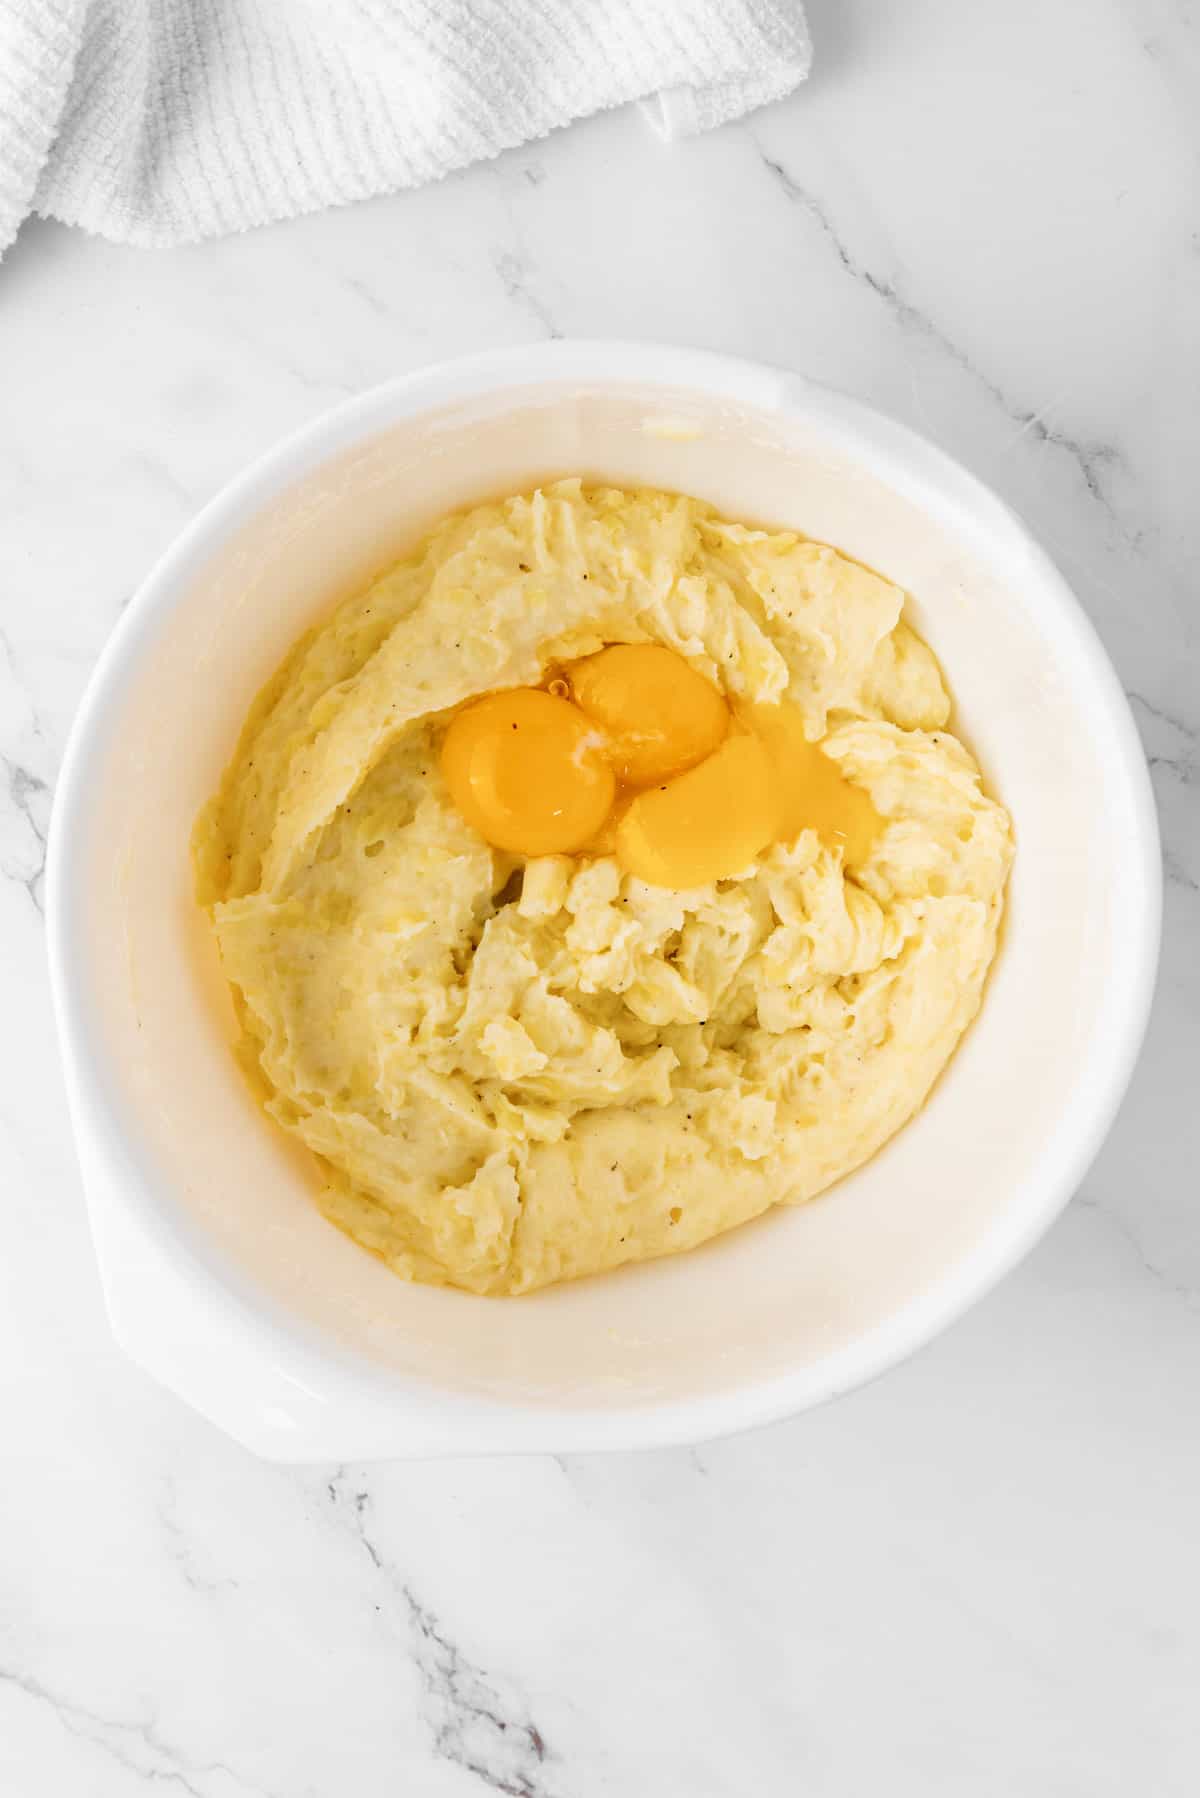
[980, 1576]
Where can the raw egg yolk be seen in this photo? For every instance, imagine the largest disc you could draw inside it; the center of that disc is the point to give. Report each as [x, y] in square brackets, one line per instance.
[537, 773]
[706, 824]
[659, 715]
[811, 791]
[528, 771]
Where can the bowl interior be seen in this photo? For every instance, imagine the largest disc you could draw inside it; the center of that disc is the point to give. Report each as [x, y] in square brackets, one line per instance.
[946, 1200]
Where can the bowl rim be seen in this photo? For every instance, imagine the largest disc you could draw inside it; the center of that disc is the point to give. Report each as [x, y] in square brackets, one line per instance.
[901, 459]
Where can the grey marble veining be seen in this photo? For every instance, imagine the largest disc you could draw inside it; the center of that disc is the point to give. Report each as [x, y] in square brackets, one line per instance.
[978, 1576]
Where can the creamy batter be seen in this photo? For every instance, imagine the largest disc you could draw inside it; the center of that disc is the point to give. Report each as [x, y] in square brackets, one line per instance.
[515, 1070]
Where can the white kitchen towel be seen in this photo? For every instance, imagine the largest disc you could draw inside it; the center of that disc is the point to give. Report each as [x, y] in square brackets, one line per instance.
[163, 121]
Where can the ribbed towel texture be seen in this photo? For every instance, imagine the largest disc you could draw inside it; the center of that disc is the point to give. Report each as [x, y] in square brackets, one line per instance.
[163, 121]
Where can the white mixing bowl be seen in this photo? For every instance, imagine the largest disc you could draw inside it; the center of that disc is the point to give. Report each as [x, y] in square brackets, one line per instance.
[221, 1276]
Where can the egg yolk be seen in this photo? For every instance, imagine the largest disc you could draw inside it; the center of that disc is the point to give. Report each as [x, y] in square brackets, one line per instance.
[706, 824]
[811, 791]
[537, 772]
[658, 714]
[528, 771]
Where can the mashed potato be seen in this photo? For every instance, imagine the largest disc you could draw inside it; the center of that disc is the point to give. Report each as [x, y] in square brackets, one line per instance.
[520, 1072]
